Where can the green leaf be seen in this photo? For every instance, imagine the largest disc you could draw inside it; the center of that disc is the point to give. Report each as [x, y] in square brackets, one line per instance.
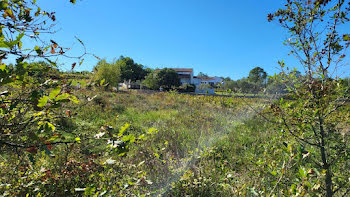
[50, 126]
[62, 97]
[38, 50]
[19, 37]
[129, 138]
[78, 140]
[102, 82]
[53, 138]
[51, 62]
[302, 172]
[74, 99]
[123, 129]
[54, 93]
[68, 136]
[152, 131]
[156, 155]
[3, 67]
[3, 44]
[43, 101]
[81, 62]
[274, 173]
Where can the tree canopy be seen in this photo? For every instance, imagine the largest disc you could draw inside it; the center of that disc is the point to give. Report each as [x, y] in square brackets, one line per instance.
[165, 78]
[131, 70]
[317, 109]
[109, 73]
[257, 75]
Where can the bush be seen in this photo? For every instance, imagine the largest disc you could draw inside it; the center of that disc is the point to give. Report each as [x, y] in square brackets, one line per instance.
[107, 72]
[204, 86]
[165, 78]
[151, 82]
[187, 88]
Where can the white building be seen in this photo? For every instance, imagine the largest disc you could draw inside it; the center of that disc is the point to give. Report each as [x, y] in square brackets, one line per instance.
[208, 80]
[185, 74]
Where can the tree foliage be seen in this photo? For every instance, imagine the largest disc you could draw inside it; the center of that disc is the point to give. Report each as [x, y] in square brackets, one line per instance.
[317, 115]
[254, 83]
[257, 75]
[31, 98]
[109, 73]
[168, 78]
[201, 74]
[165, 78]
[131, 70]
[151, 81]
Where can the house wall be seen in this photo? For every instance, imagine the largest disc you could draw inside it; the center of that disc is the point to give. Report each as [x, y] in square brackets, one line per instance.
[185, 77]
[216, 80]
[185, 80]
[196, 81]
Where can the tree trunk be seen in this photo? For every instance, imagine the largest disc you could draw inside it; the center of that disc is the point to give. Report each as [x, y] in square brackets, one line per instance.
[325, 165]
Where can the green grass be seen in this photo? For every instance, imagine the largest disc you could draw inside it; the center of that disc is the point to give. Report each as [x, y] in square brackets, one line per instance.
[197, 146]
[190, 125]
[237, 94]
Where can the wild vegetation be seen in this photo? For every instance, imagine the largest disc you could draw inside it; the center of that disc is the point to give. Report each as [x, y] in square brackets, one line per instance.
[68, 134]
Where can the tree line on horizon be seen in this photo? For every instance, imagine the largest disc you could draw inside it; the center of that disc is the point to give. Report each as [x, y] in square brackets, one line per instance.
[126, 69]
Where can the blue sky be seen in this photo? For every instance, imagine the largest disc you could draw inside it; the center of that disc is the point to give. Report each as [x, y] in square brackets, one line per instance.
[220, 38]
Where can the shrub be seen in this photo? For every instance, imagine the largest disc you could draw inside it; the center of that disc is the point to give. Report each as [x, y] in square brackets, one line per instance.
[187, 87]
[109, 73]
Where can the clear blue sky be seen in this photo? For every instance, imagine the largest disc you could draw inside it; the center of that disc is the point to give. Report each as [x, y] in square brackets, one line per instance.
[217, 37]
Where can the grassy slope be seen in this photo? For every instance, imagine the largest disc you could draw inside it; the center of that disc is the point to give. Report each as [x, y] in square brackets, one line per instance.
[190, 126]
[205, 146]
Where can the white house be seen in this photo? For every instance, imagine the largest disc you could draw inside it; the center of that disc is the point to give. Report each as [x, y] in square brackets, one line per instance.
[210, 80]
[196, 81]
[185, 74]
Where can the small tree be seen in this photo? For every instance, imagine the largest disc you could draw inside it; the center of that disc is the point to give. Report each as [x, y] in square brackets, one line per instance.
[204, 86]
[245, 86]
[30, 99]
[109, 72]
[186, 87]
[130, 70]
[316, 116]
[201, 74]
[168, 78]
[151, 81]
[257, 75]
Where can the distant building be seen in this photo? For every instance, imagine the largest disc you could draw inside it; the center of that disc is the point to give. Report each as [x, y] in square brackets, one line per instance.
[197, 81]
[209, 80]
[185, 74]
[130, 85]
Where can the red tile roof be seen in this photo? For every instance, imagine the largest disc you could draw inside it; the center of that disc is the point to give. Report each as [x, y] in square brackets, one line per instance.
[183, 69]
[206, 78]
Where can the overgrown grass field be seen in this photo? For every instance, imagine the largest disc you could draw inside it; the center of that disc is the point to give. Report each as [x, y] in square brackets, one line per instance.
[179, 145]
[199, 137]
